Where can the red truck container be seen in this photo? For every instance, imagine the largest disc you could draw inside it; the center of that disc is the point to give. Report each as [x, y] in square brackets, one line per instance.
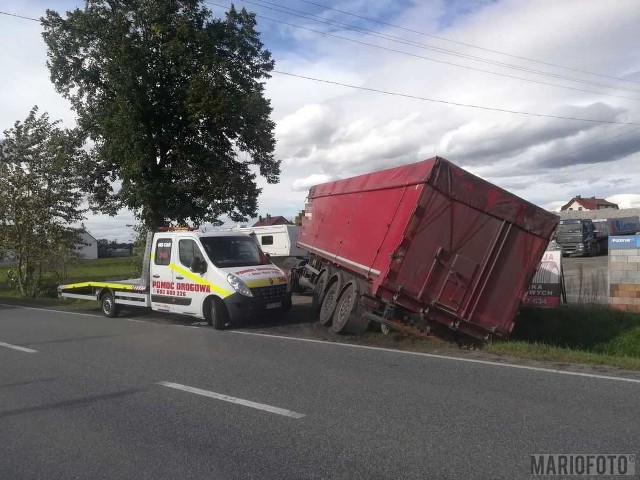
[421, 243]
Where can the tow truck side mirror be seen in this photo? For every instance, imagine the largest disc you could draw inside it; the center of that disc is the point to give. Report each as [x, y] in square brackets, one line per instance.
[198, 265]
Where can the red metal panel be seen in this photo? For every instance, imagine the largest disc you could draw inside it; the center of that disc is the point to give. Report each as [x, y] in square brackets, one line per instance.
[359, 230]
[357, 222]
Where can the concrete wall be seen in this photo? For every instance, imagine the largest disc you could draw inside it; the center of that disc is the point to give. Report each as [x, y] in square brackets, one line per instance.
[624, 272]
[605, 213]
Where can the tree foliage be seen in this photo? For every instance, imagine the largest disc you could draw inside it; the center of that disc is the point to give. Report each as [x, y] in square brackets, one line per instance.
[173, 101]
[40, 198]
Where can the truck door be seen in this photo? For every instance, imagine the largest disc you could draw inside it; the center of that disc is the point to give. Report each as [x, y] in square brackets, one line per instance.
[191, 288]
[162, 286]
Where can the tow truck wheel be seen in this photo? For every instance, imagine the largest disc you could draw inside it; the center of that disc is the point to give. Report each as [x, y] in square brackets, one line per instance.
[218, 316]
[108, 303]
[287, 303]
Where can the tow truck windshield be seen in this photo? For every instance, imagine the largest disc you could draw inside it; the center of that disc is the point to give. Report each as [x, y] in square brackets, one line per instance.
[233, 251]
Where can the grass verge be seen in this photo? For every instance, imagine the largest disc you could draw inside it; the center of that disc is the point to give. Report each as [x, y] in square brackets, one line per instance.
[99, 269]
[593, 335]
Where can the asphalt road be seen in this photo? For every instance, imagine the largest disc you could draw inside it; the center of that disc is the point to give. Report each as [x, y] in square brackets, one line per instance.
[84, 397]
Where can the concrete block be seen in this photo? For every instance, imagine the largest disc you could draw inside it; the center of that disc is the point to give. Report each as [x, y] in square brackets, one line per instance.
[633, 276]
[629, 266]
[626, 294]
[618, 259]
[633, 258]
[622, 301]
[617, 276]
[617, 267]
[617, 253]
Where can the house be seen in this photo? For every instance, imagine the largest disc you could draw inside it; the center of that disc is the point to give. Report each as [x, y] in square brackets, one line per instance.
[269, 221]
[578, 203]
[88, 246]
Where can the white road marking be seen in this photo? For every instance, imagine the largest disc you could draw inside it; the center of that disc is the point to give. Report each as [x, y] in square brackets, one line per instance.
[448, 357]
[227, 398]
[50, 310]
[16, 347]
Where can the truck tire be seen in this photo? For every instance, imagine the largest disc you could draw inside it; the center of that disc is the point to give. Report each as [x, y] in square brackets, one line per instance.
[287, 303]
[348, 316]
[345, 306]
[108, 304]
[329, 303]
[319, 291]
[218, 317]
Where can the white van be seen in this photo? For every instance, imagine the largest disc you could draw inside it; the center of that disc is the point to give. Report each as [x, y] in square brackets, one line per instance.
[222, 277]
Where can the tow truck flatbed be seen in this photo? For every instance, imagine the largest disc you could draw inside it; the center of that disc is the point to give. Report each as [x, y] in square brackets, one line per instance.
[126, 292]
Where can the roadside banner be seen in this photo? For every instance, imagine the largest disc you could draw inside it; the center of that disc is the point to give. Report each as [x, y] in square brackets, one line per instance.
[546, 288]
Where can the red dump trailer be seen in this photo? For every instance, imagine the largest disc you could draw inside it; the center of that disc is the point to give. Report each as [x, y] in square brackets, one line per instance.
[421, 243]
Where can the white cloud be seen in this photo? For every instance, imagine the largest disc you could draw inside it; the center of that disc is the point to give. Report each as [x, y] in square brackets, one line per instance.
[329, 131]
[303, 184]
[626, 200]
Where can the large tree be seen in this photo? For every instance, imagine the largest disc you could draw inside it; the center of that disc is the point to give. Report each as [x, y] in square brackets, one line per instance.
[40, 197]
[172, 99]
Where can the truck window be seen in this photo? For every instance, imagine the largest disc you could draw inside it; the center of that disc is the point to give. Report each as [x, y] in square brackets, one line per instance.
[163, 251]
[230, 251]
[187, 249]
[266, 240]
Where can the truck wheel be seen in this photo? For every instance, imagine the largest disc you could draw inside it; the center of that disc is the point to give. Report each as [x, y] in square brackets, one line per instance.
[318, 292]
[218, 316]
[108, 304]
[345, 307]
[329, 303]
[349, 314]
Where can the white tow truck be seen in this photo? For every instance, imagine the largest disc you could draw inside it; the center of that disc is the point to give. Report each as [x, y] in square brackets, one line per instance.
[223, 277]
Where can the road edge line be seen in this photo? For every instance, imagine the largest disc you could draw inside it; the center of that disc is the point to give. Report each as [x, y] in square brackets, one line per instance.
[447, 357]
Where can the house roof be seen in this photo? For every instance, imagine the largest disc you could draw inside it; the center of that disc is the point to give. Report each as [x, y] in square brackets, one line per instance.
[269, 221]
[86, 234]
[590, 203]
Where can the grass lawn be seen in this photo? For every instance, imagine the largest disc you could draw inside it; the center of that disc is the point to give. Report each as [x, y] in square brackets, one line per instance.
[100, 269]
[576, 334]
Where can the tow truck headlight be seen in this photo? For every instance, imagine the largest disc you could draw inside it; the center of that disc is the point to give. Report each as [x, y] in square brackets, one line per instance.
[239, 285]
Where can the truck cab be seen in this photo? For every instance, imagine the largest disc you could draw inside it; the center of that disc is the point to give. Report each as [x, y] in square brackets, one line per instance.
[220, 276]
[577, 237]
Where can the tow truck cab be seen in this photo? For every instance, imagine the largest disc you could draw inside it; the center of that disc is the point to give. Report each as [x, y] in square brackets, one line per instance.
[220, 276]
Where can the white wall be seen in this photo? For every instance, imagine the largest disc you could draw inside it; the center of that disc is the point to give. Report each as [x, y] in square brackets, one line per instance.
[88, 249]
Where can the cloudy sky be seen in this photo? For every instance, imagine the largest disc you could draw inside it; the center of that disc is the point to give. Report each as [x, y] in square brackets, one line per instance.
[575, 58]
